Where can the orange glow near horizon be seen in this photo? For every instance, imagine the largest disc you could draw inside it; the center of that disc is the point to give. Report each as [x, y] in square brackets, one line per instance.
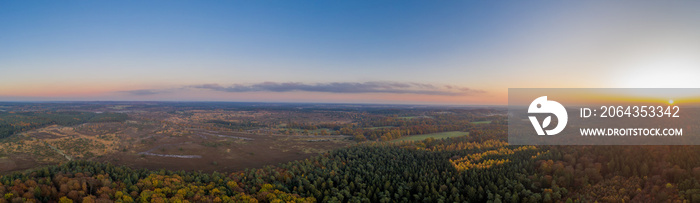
[70, 92]
[493, 96]
[64, 90]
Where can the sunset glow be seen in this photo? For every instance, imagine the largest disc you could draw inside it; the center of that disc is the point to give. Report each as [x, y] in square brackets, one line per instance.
[464, 53]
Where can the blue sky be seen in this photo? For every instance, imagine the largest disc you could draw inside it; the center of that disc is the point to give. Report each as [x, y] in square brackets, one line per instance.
[105, 50]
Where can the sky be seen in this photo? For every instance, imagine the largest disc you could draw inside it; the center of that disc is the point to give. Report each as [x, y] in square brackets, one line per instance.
[404, 52]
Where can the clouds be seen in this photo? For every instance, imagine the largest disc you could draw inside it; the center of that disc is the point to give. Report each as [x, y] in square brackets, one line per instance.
[332, 87]
[142, 92]
[344, 87]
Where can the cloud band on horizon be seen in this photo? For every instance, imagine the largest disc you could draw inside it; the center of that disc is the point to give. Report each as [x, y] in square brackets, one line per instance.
[333, 87]
[344, 87]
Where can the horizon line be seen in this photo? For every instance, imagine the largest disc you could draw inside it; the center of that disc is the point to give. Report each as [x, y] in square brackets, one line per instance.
[266, 102]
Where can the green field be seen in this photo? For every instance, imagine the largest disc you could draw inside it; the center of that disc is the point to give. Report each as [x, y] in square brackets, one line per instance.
[481, 122]
[297, 130]
[441, 135]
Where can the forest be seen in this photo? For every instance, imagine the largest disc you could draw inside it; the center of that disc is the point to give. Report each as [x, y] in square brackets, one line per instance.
[480, 167]
[477, 167]
[367, 172]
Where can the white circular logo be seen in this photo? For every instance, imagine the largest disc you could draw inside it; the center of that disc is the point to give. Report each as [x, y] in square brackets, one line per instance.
[542, 105]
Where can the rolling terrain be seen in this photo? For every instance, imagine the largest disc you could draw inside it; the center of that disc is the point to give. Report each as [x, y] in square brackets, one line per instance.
[232, 152]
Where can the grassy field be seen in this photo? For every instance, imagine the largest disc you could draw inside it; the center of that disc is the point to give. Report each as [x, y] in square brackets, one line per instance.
[481, 122]
[318, 131]
[441, 135]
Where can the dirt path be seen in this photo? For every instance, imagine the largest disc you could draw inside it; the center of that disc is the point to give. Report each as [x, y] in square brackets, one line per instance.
[228, 136]
[58, 151]
[150, 153]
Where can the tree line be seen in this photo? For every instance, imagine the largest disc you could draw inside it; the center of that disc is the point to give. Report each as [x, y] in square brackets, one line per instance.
[16, 122]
